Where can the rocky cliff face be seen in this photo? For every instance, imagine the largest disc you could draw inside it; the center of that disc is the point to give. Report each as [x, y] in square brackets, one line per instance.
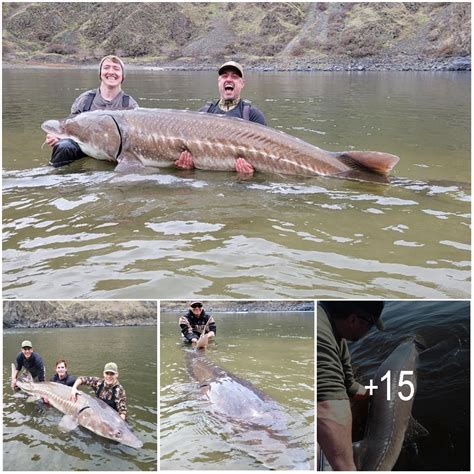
[265, 35]
[81, 313]
[238, 306]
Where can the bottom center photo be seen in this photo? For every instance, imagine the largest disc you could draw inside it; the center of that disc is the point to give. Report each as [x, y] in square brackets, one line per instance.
[237, 385]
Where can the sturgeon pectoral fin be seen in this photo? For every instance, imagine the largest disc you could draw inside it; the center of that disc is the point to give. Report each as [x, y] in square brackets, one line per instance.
[67, 423]
[359, 449]
[375, 161]
[128, 163]
[33, 398]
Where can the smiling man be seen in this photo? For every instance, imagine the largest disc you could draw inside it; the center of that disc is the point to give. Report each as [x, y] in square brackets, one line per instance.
[108, 96]
[108, 389]
[30, 361]
[230, 83]
[195, 322]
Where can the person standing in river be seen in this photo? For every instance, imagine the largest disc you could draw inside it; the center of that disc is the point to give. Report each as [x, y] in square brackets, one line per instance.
[337, 323]
[30, 361]
[108, 96]
[195, 322]
[230, 83]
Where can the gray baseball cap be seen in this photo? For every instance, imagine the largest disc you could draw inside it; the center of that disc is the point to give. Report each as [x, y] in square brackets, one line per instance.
[232, 65]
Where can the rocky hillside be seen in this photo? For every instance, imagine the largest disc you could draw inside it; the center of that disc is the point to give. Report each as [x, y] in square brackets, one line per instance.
[36, 314]
[239, 306]
[261, 35]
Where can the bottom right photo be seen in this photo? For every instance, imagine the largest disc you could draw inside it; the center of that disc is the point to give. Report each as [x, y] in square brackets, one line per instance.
[393, 385]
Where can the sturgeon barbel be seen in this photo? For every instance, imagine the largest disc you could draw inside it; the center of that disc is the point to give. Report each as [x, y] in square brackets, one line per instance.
[89, 412]
[388, 420]
[156, 138]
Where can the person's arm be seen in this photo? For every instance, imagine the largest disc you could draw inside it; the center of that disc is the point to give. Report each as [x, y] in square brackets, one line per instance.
[74, 390]
[121, 402]
[14, 379]
[334, 430]
[77, 106]
[352, 386]
[41, 371]
[133, 104]
[18, 366]
[187, 329]
[257, 116]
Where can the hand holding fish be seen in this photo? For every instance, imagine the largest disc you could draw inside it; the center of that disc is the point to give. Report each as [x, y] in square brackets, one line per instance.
[242, 166]
[73, 395]
[51, 139]
[185, 161]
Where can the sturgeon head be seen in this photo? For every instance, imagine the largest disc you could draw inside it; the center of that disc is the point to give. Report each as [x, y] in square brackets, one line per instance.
[104, 421]
[97, 133]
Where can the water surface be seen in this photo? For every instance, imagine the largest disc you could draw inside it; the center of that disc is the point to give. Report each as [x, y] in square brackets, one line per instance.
[32, 440]
[273, 351]
[85, 231]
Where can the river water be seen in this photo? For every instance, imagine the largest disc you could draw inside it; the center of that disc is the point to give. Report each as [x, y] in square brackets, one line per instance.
[442, 402]
[273, 351]
[31, 438]
[84, 231]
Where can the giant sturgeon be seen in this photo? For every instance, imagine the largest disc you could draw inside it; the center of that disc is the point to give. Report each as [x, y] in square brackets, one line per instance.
[89, 412]
[256, 421]
[388, 420]
[156, 138]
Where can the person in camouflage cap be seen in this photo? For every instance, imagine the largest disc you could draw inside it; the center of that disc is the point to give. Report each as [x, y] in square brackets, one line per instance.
[108, 389]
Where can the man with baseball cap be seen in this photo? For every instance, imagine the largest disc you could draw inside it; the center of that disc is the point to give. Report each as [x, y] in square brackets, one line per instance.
[108, 389]
[195, 322]
[339, 322]
[230, 83]
[30, 361]
[108, 96]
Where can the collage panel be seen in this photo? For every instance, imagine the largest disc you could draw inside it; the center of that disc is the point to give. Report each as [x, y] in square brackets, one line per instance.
[236, 385]
[80, 385]
[393, 385]
[260, 128]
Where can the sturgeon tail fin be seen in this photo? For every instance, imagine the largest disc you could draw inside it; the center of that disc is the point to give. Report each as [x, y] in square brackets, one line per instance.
[373, 161]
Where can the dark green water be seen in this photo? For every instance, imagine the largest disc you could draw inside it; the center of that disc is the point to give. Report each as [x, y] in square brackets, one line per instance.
[173, 234]
[273, 351]
[31, 438]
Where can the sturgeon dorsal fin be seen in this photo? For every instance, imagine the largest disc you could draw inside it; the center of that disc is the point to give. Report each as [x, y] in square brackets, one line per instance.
[375, 161]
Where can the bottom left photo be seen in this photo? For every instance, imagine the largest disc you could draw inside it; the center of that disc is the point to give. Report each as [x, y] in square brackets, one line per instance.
[80, 385]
